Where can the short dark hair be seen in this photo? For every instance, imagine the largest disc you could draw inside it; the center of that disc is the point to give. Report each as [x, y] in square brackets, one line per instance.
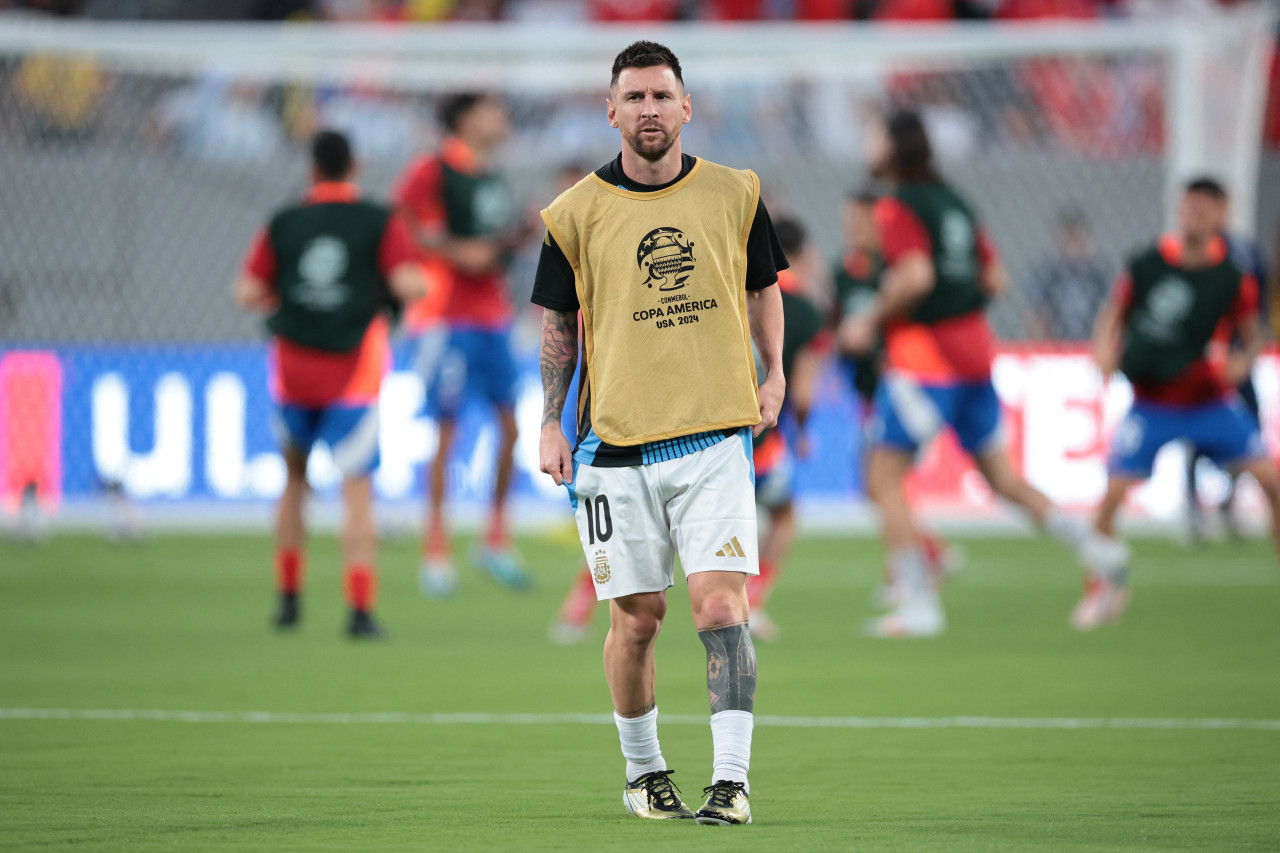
[457, 105]
[910, 154]
[645, 54]
[791, 235]
[331, 155]
[1206, 185]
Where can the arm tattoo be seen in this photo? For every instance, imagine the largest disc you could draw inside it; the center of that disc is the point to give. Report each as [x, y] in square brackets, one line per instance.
[558, 359]
[731, 668]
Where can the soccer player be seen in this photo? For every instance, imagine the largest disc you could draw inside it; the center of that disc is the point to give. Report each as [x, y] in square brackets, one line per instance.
[463, 218]
[325, 271]
[802, 355]
[1167, 327]
[1246, 256]
[857, 275]
[671, 260]
[940, 271]
[772, 456]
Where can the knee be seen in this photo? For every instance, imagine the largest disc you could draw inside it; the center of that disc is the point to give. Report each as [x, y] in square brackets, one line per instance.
[637, 630]
[721, 607]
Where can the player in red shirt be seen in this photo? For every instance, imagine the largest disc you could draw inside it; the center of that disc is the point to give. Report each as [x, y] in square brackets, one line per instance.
[1168, 327]
[468, 229]
[941, 270]
[323, 272]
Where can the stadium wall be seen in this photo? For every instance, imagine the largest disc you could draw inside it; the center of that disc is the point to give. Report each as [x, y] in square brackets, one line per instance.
[185, 429]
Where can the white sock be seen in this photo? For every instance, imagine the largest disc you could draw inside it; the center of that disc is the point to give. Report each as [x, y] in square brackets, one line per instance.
[910, 567]
[639, 736]
[1068, 529]
[731, 746]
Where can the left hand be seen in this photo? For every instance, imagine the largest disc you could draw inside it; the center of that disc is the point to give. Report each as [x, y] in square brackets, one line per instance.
[1237, 368]
[772, 393]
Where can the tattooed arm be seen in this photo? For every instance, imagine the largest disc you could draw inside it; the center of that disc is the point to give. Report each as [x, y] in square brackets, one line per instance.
[559, 358]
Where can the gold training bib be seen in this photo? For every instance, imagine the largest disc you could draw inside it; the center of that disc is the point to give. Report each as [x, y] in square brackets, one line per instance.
[661, 282]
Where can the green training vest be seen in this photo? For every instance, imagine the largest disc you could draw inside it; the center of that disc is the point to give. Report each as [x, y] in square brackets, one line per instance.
[1173, 314]
[328, 275]
[953, 233]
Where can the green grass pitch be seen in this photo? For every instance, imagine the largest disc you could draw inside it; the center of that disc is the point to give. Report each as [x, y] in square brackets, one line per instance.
[180, 624]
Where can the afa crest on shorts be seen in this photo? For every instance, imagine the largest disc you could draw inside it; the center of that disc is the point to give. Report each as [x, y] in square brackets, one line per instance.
[600, 570]
[666, 257]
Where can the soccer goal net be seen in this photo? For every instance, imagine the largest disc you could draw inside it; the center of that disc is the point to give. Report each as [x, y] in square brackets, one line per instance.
[136, 162]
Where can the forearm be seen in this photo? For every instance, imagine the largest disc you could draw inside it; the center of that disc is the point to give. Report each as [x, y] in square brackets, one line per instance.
[559, 357]
[764, 313]
[905, 284]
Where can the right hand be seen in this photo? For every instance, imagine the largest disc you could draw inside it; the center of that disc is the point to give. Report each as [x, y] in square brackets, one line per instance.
[555, 457]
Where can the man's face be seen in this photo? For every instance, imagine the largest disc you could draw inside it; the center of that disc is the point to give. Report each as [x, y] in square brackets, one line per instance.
[649, 107]
[1201, 216]
[487, 122]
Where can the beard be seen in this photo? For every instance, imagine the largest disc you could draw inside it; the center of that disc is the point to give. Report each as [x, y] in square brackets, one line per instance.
[653, 150]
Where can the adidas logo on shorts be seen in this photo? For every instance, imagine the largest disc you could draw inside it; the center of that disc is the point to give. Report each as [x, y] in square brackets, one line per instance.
[732, 548]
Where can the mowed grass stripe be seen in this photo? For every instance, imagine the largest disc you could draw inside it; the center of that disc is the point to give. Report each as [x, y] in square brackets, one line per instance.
[772, 721]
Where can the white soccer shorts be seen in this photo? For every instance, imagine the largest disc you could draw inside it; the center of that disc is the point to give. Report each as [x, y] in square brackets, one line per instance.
[634, 521]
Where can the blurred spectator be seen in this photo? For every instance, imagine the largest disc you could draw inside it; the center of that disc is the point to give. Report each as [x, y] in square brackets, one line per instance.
[219, 119]
[635, 10]
[1067, 289]
[59, 97]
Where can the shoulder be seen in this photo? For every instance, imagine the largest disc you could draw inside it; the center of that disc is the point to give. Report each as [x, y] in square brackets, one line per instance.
[744, 178]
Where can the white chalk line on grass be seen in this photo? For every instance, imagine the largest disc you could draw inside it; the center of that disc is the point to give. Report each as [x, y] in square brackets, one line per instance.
[772, 721]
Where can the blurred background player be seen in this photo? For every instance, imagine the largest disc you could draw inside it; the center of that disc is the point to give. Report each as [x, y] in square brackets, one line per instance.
[802, 356]
[325, 271]
[856, 275]
[941, 270]
[1067, 288]
[1248, 258]
[1167, 327]
[467, 227]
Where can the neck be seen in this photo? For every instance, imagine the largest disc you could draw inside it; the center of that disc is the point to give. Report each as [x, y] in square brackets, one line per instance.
[1195, 251]
[651, 172]
[479, 151]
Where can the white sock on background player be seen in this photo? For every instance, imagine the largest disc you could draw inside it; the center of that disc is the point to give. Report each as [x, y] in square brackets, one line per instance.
[639, 737]
[731, 746]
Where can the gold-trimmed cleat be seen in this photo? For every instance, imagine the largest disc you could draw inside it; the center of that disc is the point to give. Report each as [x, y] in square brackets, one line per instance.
[656, 797]
[726, 805]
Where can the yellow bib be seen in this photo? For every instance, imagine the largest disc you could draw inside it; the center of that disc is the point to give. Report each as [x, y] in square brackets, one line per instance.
[661, 280]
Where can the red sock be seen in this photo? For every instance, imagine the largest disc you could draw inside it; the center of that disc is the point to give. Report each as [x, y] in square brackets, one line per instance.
[289, 570]
[497, 537]
[758, 586]
[361, 586]
[437, 544]
[580, 605]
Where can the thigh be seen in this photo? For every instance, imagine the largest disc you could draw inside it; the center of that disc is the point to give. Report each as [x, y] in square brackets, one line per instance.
[295, 427]
[444, 364]
[1143, 431]
[352, 433]
[712, 508]
[624, 532]
[496, 369]
[976, 417]
[1227, 434]
[906, 415]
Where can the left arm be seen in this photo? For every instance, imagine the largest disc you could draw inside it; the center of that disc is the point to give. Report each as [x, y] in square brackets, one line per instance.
[764, 312]
[253, 293]
[1249, 328]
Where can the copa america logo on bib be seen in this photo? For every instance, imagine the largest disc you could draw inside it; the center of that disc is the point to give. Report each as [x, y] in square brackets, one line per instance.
[323, 263]
[667, 258]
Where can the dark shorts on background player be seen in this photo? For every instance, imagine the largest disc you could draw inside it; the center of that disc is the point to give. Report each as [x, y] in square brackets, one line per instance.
[351, 433]
[1223, 431]
[458, 364]
[908, 414]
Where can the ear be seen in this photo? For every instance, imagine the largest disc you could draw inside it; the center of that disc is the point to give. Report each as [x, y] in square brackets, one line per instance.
[688, 109]
[613, 112]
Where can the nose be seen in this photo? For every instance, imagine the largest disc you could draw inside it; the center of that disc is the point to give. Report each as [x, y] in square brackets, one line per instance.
[650, 106]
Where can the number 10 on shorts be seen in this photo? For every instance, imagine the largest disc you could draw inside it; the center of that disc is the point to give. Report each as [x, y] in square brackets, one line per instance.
[599, 521]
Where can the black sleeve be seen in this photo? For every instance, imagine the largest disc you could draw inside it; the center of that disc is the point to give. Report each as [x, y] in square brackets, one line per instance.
[765, 257]
[554, 286]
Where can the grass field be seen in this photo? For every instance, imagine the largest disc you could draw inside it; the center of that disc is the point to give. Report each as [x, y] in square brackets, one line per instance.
[180, 624]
